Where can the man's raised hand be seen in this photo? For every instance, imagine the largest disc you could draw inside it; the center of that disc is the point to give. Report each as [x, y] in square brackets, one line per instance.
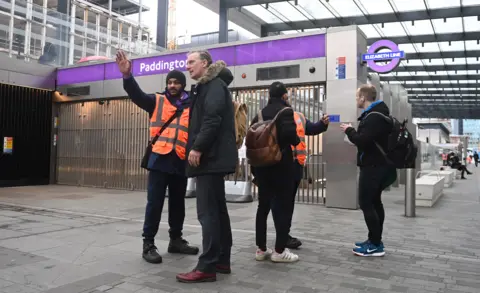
[124, 64]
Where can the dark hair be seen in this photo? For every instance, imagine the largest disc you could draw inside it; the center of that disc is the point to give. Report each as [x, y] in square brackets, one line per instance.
[368, 91]
[204, 55]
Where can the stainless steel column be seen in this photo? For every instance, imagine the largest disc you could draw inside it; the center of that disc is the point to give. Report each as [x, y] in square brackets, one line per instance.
[410, 193]
[343, 44]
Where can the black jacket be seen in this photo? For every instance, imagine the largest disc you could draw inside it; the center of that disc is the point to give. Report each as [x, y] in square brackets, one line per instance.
[370, 129]
[211, 129]
[282, 173]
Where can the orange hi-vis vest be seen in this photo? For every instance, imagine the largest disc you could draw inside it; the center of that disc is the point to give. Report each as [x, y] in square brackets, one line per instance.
[300, 151]
[175, 136]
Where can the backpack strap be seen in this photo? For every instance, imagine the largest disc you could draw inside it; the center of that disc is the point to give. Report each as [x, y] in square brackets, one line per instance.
[378, 113]
[260, 116]
[276, 116]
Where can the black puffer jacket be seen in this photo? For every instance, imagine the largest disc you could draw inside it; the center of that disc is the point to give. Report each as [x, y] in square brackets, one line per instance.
[211, 128]
[372, 128]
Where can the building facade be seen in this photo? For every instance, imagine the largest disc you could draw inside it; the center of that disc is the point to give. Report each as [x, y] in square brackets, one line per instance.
[65, 32]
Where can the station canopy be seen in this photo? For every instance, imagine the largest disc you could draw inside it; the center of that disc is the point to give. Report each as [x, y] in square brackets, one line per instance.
[441, 40]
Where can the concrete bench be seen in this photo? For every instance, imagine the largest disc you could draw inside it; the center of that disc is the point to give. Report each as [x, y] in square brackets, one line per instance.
[428, 190]
[449, 176]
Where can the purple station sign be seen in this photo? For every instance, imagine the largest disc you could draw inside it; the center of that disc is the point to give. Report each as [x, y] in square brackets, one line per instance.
[392, 58]
[246, 54]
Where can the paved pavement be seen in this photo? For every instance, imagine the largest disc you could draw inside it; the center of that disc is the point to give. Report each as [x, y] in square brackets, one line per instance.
[61, 239]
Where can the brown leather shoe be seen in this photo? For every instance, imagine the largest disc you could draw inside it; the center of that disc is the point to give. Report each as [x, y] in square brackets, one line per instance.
[196, 277]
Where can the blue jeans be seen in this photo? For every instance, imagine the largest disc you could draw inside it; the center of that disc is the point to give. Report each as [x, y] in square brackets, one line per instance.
[157, 185]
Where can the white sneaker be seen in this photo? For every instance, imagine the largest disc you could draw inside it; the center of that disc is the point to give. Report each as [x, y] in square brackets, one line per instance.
[285, 256]
[262, 255]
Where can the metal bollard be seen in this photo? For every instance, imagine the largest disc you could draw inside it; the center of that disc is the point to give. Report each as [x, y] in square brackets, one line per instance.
[410, 193]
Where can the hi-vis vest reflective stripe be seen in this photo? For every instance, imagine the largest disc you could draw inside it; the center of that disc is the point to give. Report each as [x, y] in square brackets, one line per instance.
[175, 136]
[300, 151]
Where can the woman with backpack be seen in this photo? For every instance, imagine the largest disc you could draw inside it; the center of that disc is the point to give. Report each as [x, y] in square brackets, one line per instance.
[272, 166]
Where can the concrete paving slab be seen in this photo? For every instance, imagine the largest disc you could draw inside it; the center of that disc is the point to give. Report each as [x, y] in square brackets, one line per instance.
[438, 251]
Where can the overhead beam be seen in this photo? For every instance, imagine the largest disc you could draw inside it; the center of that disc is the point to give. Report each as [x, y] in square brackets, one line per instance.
[430, 68]
[442, 103]
[451, 37]
[445, 92]
[440, 115]
[430, 77]
[442, 97]
[442, 55]
[441, 85]
[370, 19]
[241, 3]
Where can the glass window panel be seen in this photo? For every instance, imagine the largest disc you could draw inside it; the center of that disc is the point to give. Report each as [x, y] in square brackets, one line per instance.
[290, 32]
[419, 27]
[472, 45]
[410, 82]
[471, 24]
[455, 61]
[420, 73]
[433, 4]
[408, 48]
[472, 72]
[470, 2]
[369, 31]
[288, 10]
[409, 5]
[315, 9]
[466, 89]
[458, 72]
[436, 61]
[427, 47]
[452, 25]
[414, 62]
[427, 81]
[394, 82]
[392, 29]
[376, 6]
[445, 81]
[345, 8]
[424, 73]
[473, 60]
[402, 73]
[262, 13]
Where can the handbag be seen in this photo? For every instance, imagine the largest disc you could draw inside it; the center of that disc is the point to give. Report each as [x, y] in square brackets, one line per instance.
[148, 150]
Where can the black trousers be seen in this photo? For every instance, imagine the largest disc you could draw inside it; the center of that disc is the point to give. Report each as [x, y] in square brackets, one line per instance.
[279, 201]
[157, 185]
[213, 216]
[372, 182]
[296, 183]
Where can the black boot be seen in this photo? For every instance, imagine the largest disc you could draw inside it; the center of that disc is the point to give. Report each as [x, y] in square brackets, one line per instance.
[293, 243]
[150, 253]
[180, 245]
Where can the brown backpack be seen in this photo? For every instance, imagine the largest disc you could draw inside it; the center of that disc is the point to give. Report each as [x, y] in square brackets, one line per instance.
[241, 122]
[261, 142]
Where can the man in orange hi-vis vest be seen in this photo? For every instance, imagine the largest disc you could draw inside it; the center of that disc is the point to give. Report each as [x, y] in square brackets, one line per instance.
[166, 164]
[304, 127]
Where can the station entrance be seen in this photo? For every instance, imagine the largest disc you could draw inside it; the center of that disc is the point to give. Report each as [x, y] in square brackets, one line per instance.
[101, 142]
[26, 135]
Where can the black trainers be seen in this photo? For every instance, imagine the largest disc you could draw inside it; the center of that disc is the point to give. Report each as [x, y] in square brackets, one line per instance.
[181, 246]
[150, 253]
[293, 243]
